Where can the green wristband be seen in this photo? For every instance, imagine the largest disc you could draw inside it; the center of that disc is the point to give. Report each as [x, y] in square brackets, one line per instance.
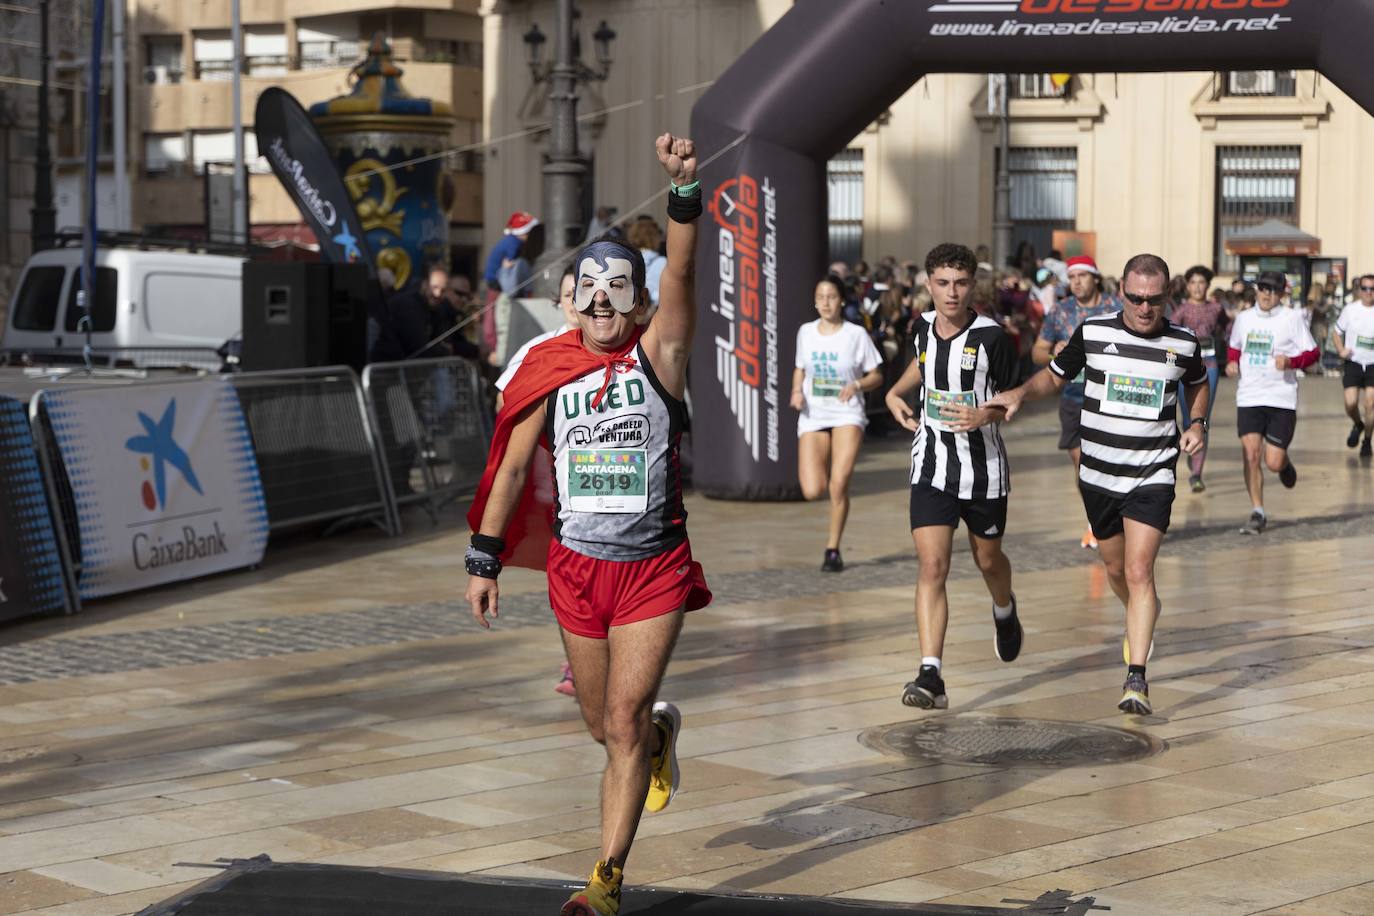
[686, 190]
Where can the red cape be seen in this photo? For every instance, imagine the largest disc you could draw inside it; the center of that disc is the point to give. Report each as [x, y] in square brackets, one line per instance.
[547, 366]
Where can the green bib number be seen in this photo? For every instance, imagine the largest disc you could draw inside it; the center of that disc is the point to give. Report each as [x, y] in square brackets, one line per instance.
[607, 479]
[1365, 343]
[1259, 349]
[825, 387]
[935, 399]
[1136, 396]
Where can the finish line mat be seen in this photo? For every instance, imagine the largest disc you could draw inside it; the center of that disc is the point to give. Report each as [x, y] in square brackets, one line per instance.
[261, 887]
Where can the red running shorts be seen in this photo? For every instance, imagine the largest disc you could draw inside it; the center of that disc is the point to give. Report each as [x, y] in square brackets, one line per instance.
[589, 596]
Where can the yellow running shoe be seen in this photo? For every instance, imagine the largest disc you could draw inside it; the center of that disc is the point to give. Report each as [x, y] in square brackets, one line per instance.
[601, 896]
[663, 771]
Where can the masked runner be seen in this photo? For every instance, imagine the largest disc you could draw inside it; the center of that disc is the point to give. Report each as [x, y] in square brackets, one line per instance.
[606, 400]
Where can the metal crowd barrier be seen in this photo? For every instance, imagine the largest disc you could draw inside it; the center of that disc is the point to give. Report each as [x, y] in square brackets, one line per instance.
[433, 421]
[329, 445]
[316, 452]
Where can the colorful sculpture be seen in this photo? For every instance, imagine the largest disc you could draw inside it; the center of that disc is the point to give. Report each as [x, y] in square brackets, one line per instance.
[385, 143]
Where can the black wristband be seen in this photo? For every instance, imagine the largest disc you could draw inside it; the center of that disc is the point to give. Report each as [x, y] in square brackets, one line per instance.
[684, 209]
[481, 564]
[488, 544]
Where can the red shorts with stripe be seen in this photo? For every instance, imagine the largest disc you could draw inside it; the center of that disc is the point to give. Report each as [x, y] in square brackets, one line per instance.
[589, 596]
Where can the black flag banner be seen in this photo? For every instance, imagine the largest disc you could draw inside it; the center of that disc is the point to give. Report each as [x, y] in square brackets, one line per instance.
[301, 161]
[763, 239]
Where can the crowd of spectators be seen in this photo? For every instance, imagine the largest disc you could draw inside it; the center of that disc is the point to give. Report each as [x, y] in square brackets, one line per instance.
[887, 298]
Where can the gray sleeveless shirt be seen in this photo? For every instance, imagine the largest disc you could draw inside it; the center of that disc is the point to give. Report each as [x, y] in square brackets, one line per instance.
[616, 471]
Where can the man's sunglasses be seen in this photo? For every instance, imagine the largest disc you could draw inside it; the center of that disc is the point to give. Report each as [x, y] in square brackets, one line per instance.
[1267, 288]
[1367, 289]
[1153, 302]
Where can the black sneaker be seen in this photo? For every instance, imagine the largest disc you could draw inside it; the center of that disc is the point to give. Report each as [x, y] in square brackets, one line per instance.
[1256, 524]
[1135, 696]
[1289, 476]
[1353, 439]
[832, 561]
[1007, 643]
[1366, 450]
[1196, 483]
[927, 691]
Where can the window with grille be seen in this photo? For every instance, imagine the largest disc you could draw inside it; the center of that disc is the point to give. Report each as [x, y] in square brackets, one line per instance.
[164, 154]
[329, 41]
[1044, 193]
[845, 181]
[1254, 184]
[264, 50]
[213, 51]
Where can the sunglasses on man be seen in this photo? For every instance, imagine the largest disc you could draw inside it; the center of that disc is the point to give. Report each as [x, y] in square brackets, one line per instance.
[1367, 289]
[1153, 301]
[1267, 288]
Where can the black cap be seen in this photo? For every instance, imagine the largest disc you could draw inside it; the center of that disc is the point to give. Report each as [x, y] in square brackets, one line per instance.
[1273, 278]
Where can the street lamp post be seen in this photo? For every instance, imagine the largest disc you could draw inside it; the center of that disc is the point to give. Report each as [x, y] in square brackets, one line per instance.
[565, 172]
[1001, 207]
[43, 218]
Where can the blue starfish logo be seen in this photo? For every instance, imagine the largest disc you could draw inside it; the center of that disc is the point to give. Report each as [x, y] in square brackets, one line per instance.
[159, 445]
[349, 243]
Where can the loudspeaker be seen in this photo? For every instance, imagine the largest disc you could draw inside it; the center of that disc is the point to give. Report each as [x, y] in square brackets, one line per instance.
[298, 314]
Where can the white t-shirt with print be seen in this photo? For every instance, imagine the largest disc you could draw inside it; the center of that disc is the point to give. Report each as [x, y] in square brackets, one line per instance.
[829, 362]
[1260, 336]
[519, 357]
[1356, 327]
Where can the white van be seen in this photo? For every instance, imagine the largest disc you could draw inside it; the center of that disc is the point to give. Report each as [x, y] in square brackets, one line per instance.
[152, 308]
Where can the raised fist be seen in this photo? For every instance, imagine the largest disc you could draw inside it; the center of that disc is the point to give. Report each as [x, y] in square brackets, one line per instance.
[678, 155]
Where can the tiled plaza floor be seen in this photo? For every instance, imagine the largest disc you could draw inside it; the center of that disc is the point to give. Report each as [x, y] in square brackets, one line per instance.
[337, 705]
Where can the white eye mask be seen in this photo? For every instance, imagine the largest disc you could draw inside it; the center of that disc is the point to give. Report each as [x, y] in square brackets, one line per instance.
[590, 278]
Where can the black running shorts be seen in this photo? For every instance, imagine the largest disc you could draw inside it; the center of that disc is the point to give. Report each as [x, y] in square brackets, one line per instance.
[1150, 505]
[1353, 375]
[1275, 424]
[986, 518]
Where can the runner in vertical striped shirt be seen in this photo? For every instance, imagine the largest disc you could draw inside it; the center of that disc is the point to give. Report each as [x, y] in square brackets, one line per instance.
[958, 462]
[1136, 362]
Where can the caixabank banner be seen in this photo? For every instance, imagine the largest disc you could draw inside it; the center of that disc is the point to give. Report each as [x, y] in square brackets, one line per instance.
[165, 482]
[815, 80]
[31, 579]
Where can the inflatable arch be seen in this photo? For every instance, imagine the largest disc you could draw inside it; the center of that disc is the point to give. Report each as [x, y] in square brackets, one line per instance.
[763, 240]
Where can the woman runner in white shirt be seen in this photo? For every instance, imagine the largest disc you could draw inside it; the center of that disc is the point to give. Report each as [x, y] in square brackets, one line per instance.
[836, 363]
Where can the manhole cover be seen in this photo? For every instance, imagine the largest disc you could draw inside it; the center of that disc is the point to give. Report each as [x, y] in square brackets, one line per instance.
[1010, 742]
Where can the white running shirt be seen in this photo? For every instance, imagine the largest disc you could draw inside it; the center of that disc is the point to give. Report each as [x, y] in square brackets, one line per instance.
[1260, 336]
[1356, 327]
[509, 372]
[831, 361]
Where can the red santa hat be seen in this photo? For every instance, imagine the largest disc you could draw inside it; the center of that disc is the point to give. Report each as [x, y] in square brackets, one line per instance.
[520, 223]
[1083, 262]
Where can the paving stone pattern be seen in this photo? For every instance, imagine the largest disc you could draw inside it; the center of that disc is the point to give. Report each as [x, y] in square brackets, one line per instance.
[244, 639]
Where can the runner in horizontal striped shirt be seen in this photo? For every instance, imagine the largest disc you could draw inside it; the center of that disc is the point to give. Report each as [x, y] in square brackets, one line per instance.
[1135, 363]
[958, 470]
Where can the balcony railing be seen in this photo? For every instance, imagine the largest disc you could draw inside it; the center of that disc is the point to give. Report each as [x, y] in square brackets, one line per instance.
[320, 55]
[215, 71]
[268, 65]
